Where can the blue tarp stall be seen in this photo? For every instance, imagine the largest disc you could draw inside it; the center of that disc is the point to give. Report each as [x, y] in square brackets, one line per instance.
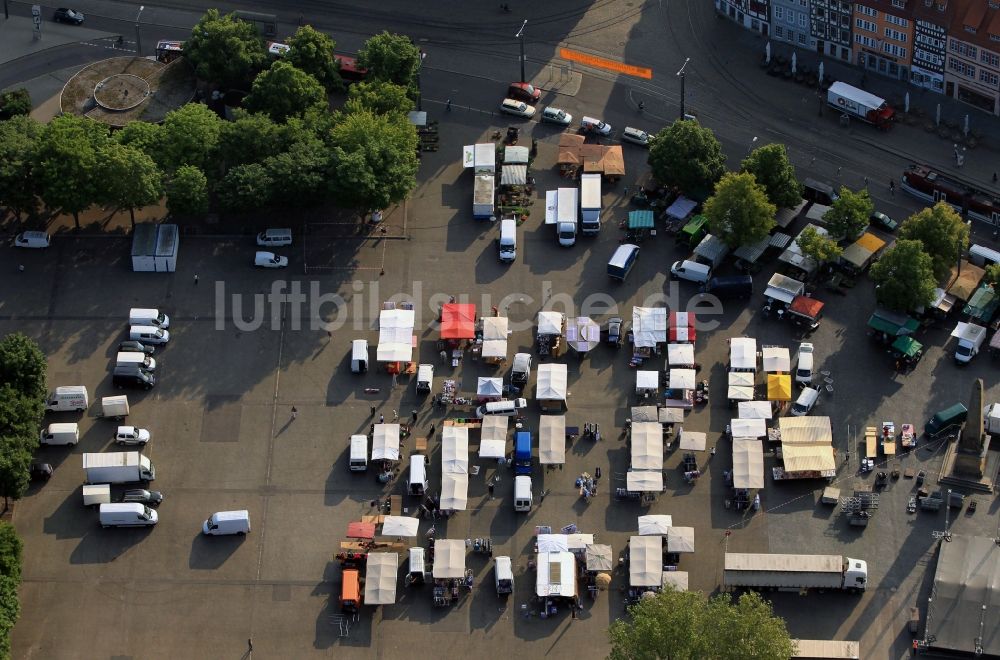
[640, 220]
[681, 208]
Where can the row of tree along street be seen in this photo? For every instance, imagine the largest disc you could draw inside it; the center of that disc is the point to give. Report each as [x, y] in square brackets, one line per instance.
[286, 147]
[741, 207]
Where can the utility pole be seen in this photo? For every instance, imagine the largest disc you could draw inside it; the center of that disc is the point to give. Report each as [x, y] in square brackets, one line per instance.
[138, 41]
[520, 36]
[680, 74]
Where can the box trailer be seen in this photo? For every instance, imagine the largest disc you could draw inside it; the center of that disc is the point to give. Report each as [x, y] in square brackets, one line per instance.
[860, 104]
[590, 204]
[794, 572]
[483, 195]
[119, 467]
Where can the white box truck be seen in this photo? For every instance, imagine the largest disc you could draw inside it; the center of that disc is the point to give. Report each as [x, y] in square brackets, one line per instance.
[566, 216]
[119, 467]
[483, 195]
[794, 572]
[859, 104]
[970, 339]
[590, 204]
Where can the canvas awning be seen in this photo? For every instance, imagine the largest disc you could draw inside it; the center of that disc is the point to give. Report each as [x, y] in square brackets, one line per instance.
[550, 323]
[385, 442]
[640, 219]
[360, 530]
[740, 393]
[489, 386]
[680, 355]
[748, 463]
[680, 539]
[741, 379]
[966, 282]
[578, 541]
[983, 304]
[458, 321]
[676, 580]
[743, 353]
[747, 428]
[785, 217]
[481, 157]
[449, 558]
[552, 382]
[381, 569]
[614, 161]
[552, 542]
[647, 446]
[966, 598]
[779, 387]
[552, 440]
[569, 149]
[513, 175]
[454, 492]
[776, 358]
[583, 333]
[806, 307]
[806, 444]
[671, 415]
[599, 557]
[649, 326]
[395, 335]
[783, 288]
[555, 575]
[493, 436]
[681, 208]
[516, 155]
[754, 409]
[693, 441]
[455, 450]
[682, 327]
[645, 561]
[683, 379]
[907, 346]
[495, 333]
[943, 302]
[646, 381]
[643, 414]
[400, 526]
[655, 525]
[892, 323]
[592, 156]
[644, 481]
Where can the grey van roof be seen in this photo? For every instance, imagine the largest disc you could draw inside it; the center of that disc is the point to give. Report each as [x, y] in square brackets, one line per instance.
[622, 254]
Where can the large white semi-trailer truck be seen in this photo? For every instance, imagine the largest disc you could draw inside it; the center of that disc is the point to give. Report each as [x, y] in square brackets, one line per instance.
[794, 572]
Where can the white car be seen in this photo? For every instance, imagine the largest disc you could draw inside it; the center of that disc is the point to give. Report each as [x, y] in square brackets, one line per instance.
[807, 399]
[274, 237]
[557, 116]
[519, 108]
[32, 239]
[636, 136]
[269, 260]
[131, 435]
[594, 125]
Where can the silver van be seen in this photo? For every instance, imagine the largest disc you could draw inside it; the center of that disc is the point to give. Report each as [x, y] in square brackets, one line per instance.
[148, 334]
[60, 434]
[508, 240]
[358, 461]
[274, 237]
[691, 271]
[222, 523]
[148, 316]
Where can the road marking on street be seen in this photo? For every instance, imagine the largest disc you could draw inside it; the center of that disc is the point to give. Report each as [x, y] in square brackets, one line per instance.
[609, 65]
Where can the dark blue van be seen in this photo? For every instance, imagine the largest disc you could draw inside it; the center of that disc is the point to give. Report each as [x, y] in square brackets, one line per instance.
[522, 453]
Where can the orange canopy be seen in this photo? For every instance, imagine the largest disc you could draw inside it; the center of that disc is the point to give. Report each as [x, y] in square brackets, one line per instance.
[458, 321]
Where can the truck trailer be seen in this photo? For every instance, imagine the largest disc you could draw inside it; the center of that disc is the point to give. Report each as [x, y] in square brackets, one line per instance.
[860, 104]
[590, 204]
[794, 572]
[483, 195]
[120, 467]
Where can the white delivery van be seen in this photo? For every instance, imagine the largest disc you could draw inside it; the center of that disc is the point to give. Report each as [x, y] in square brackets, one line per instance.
[69, 397]
[506, 407]
[274, 237]
[508, 240]
[691, 271]
[416, 573]
[138, 360]
[147, 316]
[148, 334]
[804, 364]
[96, 494]
[359, 356]
[807, 399]
[359, 453]
[227, 522]
[60, 434]
[32, 239]
[418, 475]
[622, 260]
[522, 493]
[504, 573]
[425, 378]
[130, 514]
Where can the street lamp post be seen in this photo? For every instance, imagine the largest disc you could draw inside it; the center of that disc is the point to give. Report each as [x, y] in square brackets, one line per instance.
[138, 41]
[680, 74]
[752, 142]
[520, 37]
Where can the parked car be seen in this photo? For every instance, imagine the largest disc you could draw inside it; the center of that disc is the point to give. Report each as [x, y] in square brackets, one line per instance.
[269, 260]
[40, 471]
[522, 91]
[615, 331]
[32, 239]
[71, 16]
[131, 435]
[882, 220]
[137, 379]
[557, 116]
[594, 125]
[518, 108]
[636, 136]
[131, 346]
[143, 496]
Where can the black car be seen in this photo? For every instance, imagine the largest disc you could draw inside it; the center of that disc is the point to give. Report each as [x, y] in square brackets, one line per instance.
[64, 15]
[40, 471]
[143, 496]
[132, 346]
[137, 379]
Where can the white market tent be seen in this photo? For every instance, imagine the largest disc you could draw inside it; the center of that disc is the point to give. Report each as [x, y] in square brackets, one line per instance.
[743, 354]
[777, 358]
[385, 442]
[649, 326]
[455, 450]
[671, 415]
[493, 436]
[748, 463]
[380, 578]
[400, 526]
[747, 428]
[578, 541]
[449, 558]
[645, 561]
[647, 446]
[598, 557]
[550, 323]
[680, 539]
[682, 379]
[395, 335]
[754, 409]
[552, 543]
[643, 414]
[552, 440]
[583, 333]
[555, 575]
[647, 381]
[454, 492]
[644, 481]
[740, 386]
[489, 387]
[552, 382]
[807, 444]
[495, 333]
[655, 525]
[677, 580]
[516, 155]
[693, 441]
[680, 354]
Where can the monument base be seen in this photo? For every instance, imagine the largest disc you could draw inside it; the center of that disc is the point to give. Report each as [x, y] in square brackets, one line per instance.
[953, 458]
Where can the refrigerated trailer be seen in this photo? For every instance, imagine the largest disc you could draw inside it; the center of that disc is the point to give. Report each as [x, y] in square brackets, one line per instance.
[794, 572]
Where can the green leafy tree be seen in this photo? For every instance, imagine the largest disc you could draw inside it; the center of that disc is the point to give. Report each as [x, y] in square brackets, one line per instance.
[312, 51]
[15, 460]
[66, 163]
[11, 549]
[225, 50]
[269, 138]
[379, 96]
[739, 212]
[818, 246]
[128, 178]
[941, 232]
[685, 625]
[147, 138]
[391, 57]
[284, 91]
[374, 161]
[11, 553]
[18, 143]
[246, 187]
[904, 277]
[23, 366]
[191, 137]
[992, 276]
[772, 169]
[849, 215]
[687, 155]
[187, 192]
[302, 171]
[14, 103]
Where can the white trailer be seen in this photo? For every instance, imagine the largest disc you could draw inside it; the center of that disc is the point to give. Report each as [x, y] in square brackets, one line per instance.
[119, 467]
[794, 572]
[860, 104]
[590, 204]
[114, 407]
[566, 216]
[483, 194]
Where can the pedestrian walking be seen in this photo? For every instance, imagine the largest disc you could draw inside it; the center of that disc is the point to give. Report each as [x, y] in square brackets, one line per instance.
[295, 412]
[431, 431]
[713, 451]
[395, 416]
[448, 105]
[838, 171]
[490, 488]
[414, 416]
[249, 645]
[597, 473]
[196, 280]
[892, 187]
[373, 410]
[381, 419]
[866, 182]
[994, 177]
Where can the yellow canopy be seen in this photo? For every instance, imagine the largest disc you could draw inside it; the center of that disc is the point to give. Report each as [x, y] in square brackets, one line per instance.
[871, 242]
[779, 387]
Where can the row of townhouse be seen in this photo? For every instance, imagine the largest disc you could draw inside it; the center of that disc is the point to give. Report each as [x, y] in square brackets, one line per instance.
[947, 46]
